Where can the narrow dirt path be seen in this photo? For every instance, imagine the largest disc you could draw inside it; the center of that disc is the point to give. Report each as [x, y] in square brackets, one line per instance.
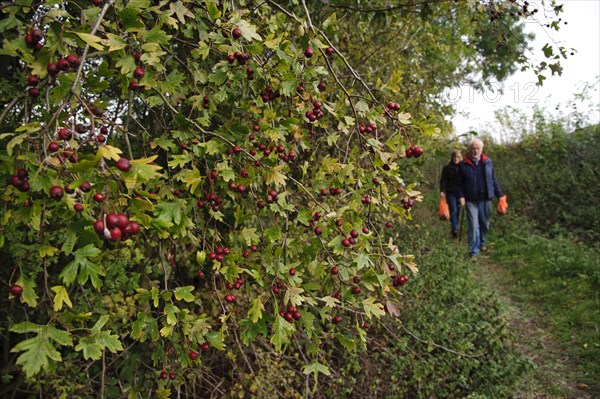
[553, 377]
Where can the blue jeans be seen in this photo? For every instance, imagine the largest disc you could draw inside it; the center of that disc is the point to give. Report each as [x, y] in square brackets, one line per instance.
[478, 218]
[452, 200]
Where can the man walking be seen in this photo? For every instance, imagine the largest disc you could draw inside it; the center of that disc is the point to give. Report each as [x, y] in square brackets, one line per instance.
[477, 186]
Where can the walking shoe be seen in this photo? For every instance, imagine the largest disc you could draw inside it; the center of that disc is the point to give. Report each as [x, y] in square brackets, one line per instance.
[483, 248]
[454, 235]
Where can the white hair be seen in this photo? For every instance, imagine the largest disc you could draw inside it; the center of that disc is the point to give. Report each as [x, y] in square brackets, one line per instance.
[476, 141]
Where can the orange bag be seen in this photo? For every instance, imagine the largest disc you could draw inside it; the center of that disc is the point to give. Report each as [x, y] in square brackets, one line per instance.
[443, 210]
[502, 205]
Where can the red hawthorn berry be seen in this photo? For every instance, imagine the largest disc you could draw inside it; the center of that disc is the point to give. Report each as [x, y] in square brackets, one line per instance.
[138, 73]
[16, 289]
[98, 197]
[33, 92]
[32, 80]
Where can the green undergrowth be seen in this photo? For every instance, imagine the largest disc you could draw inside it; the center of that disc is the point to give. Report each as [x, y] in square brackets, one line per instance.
[451, 340]
[559, 279]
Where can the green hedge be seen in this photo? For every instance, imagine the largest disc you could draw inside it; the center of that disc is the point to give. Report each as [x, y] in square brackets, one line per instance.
[552, 177]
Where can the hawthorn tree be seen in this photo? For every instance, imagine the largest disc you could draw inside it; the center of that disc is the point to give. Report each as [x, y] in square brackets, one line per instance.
[191, 178]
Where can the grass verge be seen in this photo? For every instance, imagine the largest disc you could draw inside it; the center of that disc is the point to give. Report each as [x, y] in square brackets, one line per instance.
[556, 280]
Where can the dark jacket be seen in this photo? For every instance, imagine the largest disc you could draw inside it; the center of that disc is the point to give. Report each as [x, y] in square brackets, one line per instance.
[469, 186]
[448, 182]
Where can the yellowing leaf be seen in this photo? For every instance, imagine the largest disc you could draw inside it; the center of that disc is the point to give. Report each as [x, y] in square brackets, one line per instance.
[372, 308]
[47, 251]
[255, 311]
[109, 152]
[115, 42]
[292, 295]
[179, 9]
[62, 296]
[93, 40]
[249, 235]
[171, 313]
[404, 118]
[275, 176]
[330, 301]
[144, 169]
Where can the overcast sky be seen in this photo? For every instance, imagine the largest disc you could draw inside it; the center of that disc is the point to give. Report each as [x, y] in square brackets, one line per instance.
[581, 32]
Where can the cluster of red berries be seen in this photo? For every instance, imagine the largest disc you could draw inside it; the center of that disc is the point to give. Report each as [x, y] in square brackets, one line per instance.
[250, 73]
[291, 314]
[316, 112]
[414, 151]
[138, 73]
[240, 57]
[270, 198]
[407, 203]
[33, 81]
[219, 254]
[269, 94]
[392, 106]
[321, 86]
[20, 180]
[346, 242]
[212, 200]
[399, 280]
[247, 253]
[33, 39]
[371, 127]
[332, 191]
[164, 375]
[230, 298]
[117, 227]
[366, 200]
[101, 138]
[71, 61]
[194, 354]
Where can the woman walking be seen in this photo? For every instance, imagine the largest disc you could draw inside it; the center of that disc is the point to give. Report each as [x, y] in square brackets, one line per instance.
[450, 190]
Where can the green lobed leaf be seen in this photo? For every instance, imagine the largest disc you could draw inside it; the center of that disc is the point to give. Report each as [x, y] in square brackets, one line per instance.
[61, 296]
[184, 293]
[282, 332]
